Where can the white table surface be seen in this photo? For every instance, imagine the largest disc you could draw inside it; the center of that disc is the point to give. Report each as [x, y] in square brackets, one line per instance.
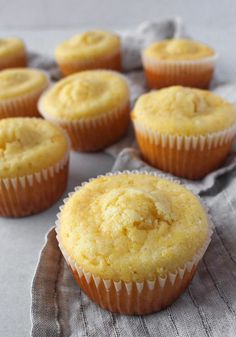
[19, 249]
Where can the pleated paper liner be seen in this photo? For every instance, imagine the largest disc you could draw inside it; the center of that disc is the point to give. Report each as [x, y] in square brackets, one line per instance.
[22, 106]
[191, 73]
[185, 156]
[93, 134]
[33, 193]
[112, 62]
[14, 61]
[137, 298]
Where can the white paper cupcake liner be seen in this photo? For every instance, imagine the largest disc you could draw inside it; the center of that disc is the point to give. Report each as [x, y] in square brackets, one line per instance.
[94, 133]
[153, 63]
[210, 141]
[16, 193]
[24, 105]
[191, 157]
[196, 73]
[173, 283]
[106, 117]
[42, 175]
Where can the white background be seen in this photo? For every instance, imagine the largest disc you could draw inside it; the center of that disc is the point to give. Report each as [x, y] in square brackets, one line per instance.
[44, 14]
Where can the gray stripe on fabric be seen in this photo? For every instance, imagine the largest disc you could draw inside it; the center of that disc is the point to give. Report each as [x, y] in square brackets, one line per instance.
[44, 316]
[84, 318]
[114, 324]
[220, 290]
[172, 320]
[129, 325]
[70, 311]
[202, 315]
[184, 314]
[144, 326]
[57, 311]
[59, 297]
[109, 322]
[160, 322]
[100, 322]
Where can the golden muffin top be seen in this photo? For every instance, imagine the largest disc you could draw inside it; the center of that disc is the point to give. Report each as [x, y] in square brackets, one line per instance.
[28, 145]
[84, 95]
[21, 81]
[178, 49]
[132, 227]
[87, 46]
[183, 111]
[10, 46]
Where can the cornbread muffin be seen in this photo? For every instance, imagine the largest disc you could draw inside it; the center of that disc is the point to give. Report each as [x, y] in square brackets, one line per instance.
[90, 50]
[178, 61]
[33, 165]
[93, 106]
[20, 89]
[184, 131]
[12, 53]
[133, 231]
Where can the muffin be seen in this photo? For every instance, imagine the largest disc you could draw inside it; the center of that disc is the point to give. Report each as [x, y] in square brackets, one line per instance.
[179, 62]
[20, 89]
[90, 50]
[187, 132]
[33, 165]
[12, 53]
[93, 107]
[133, 240]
